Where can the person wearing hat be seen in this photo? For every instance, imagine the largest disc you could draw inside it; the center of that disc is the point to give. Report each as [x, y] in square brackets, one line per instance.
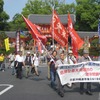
[71, 60]
[28, 64]
[85, 58]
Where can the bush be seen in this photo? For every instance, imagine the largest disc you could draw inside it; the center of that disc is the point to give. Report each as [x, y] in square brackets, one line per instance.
[3, 50]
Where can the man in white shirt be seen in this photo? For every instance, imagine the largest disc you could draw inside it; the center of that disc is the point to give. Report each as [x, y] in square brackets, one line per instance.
[20, 63]
[71, 60]
[58, 62]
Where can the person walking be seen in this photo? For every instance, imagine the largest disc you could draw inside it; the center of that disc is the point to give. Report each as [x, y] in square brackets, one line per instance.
[36, 61]
[28, 64]
[85, 58]
[53, 69]
[1, 61]
[19, 64]
[71, 60]
[61, 60]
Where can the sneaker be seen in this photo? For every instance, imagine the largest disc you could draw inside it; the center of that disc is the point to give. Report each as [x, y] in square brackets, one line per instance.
[3, 70]
[89, 92]
[69, 85]
[61, 94]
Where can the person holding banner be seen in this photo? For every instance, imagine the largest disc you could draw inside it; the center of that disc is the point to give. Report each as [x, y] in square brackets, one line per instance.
[85, 58]
[58, 62]
[71, 60]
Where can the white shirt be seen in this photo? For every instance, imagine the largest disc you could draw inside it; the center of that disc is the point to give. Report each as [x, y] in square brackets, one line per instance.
[20, 58]
[71, 60]
[36, 61]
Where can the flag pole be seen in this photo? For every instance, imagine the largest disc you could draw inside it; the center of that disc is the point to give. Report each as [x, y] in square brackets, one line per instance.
[99, 32]
[38, 38]
[53, 30]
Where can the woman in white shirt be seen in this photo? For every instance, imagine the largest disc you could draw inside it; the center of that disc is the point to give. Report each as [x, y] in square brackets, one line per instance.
[36, 63]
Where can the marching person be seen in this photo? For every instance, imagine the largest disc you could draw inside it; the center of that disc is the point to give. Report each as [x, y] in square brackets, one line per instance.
[85, 58]
[58, 62]
[28, 64]
[53, 69]
[36, 61]
[71, 60]
[19, 64]
[1, 61]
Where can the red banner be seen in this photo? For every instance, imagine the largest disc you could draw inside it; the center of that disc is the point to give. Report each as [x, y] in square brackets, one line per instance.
[74, 49]
[58, 31]
[78, 41]
[33, 30]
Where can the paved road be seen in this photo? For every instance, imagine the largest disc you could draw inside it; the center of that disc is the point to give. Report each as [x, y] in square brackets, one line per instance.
[38, 88]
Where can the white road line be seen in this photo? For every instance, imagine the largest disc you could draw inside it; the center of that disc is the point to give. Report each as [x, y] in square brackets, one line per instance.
[6, 89]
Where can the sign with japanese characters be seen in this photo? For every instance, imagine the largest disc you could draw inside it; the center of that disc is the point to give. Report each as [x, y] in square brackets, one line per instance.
[81, 72]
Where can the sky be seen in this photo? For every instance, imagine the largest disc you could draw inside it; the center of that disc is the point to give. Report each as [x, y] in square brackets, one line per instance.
[11, 7]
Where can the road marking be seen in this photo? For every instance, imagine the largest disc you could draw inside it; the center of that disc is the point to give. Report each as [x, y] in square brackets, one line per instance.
[6, 89]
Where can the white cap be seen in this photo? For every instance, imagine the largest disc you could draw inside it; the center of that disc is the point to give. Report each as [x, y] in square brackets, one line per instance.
[85, 51]
[28, 52]
[70, 51]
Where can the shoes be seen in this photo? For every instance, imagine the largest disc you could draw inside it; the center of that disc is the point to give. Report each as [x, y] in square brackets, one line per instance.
[61, 94]
[37, 74]
[69, 85]
[89, 92]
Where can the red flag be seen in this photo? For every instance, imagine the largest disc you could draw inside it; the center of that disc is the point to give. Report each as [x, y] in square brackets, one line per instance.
[35, 33]
[58, 31]
[74, 49]
[78, 41]
[39, 46]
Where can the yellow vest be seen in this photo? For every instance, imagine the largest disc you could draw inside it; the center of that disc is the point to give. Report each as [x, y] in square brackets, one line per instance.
[1, 58]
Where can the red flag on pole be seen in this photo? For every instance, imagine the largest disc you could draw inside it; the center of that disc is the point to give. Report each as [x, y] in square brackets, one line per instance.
[78, 41]
[35, 33]
[58, 31]
[74, 49]
[39, 45]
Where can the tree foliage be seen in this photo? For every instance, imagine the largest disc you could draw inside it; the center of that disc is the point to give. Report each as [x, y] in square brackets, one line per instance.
[87, 12]
[3, 17]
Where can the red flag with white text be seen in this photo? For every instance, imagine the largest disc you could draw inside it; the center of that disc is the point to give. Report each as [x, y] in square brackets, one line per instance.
[58, 31]
[74, 48]
[78, 41]
[33, 30]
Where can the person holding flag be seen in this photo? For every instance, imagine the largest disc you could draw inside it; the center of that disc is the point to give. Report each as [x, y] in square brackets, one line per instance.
[51, 64]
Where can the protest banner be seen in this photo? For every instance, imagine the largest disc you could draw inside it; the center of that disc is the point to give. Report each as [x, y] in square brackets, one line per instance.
[80, 72]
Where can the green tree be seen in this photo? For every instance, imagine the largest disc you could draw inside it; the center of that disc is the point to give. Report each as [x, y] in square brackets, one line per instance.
[3, 17]
[40, 7]
[87, 14]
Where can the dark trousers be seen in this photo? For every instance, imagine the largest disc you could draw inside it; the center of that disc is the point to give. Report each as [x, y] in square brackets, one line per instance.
[19, 70]
[88, 86]
[60, 87]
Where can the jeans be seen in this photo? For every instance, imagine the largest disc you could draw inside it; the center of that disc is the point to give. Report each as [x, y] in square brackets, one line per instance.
[53, 78]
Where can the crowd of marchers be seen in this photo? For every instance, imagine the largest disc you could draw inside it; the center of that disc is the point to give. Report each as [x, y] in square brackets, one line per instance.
[31, 63]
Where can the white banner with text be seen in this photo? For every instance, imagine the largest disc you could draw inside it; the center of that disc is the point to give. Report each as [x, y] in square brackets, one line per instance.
[80, 72]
